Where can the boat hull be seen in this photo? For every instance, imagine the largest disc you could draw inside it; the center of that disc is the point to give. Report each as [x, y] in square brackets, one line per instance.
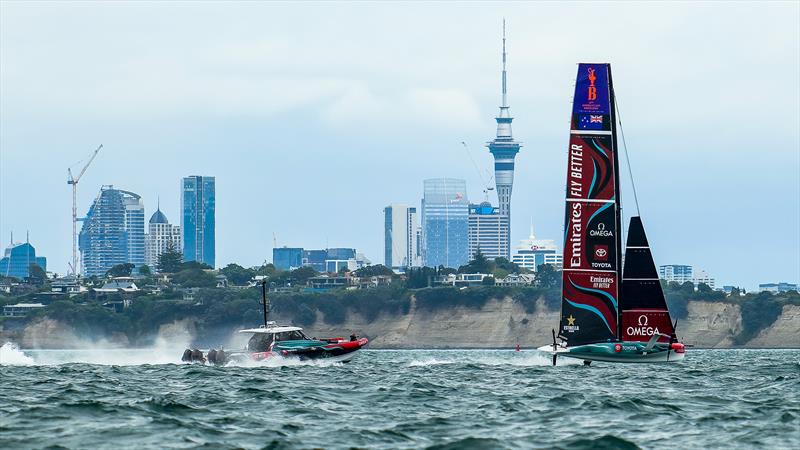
[621, 352]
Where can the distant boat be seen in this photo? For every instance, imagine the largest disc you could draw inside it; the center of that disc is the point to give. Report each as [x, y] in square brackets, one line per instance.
[601, 320]
[271, 341]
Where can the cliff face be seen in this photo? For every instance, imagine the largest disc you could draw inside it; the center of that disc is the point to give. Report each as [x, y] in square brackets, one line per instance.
[500, 323]
[783, 333]
[504, 323]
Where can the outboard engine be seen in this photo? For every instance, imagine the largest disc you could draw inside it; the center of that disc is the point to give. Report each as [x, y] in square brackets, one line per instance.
[212, 356]
[222, 358]
[197, 356]
[187, 356]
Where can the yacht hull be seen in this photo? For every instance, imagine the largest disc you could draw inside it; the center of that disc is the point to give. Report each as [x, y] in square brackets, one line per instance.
[621, 352]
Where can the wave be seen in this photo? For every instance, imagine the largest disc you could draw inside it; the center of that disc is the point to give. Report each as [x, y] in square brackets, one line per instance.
[521, 359]
[429, 362]
[11, 355]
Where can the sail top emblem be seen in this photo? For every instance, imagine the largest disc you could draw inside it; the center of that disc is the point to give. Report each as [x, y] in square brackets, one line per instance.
[591, 94]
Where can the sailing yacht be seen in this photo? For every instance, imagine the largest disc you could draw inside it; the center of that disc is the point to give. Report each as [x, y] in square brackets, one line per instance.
[608, 312]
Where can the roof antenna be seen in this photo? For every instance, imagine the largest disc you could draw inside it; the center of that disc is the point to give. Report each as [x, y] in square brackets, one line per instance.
[28, 236]
[505, 91]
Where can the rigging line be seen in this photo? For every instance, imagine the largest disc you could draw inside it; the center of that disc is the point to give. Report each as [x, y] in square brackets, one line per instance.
[627, 158]
[474, 164]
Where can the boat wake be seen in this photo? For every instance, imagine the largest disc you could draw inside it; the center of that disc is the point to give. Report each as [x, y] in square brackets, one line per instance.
[518, 359]
[11, 355]
[280, 361]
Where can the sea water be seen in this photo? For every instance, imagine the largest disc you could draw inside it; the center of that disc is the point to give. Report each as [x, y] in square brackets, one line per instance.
[470, 399]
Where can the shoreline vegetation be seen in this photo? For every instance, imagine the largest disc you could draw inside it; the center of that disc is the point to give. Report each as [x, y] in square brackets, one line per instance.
[136, 318]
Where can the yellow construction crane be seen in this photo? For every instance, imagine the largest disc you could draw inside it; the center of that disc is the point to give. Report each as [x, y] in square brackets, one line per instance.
[74, 182]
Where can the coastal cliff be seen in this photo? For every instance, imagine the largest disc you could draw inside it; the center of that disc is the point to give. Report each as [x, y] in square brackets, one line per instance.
[427, 319]
[504, 323]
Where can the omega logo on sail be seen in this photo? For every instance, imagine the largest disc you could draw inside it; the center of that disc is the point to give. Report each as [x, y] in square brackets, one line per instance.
[642, 329]
[601, 231]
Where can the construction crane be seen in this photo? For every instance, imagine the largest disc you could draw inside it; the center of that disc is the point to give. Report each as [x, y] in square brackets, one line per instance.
[488, 186]
[74, 182]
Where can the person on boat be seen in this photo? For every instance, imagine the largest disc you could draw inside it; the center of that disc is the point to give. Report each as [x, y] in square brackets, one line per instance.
[259, 343]
[353, 337]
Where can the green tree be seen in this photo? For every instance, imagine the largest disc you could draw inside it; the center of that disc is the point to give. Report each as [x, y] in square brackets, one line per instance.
[170, 260]
[372, 271]
[145, 270]
[194, 277]
[508, 266]
[479, 264]
[547, 276]
[267, 269]
[120, 270]
[302, 274]
[488, 281]
[420, 277]
[237, 274]
[36, 275]
[442, 270]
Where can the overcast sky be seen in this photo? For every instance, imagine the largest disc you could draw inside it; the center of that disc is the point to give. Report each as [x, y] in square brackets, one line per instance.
[315, 116]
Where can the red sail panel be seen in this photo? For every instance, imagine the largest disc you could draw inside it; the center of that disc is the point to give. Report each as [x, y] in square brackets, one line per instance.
[589, 309]
[590, 169]
[591, 230]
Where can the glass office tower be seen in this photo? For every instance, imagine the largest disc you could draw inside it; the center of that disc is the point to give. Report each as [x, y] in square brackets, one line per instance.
[197, 219]
[445, 222]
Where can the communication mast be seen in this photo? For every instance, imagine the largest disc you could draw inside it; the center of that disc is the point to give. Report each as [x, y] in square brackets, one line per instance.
[74, 182]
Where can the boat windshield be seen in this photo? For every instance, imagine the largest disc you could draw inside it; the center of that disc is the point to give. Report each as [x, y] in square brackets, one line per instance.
[290, 336]
[259, 342]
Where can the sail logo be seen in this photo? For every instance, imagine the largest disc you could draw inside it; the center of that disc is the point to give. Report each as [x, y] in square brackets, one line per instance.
[576, 238]
[601, 282]
[570, 327]
[592, 94]
[642, 329]
[601, 252]
[601, 231]
[575, 170]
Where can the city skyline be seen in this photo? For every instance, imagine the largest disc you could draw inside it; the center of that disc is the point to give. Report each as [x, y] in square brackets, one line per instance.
[243, 106]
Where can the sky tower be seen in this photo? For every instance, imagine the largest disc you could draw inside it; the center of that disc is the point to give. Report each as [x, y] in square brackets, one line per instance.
[504, 149]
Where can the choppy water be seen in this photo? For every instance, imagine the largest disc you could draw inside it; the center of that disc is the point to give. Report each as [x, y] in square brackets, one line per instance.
[401, 399]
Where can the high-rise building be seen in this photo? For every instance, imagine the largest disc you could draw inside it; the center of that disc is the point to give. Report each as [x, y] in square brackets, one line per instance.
[134, 225]
[445, 223]
[488, 231]
[160, 237]
[676, 272]
[504, 149]
[112, 232]
[18, 258]
[198, 201]
[287, 258]
[532, 253]
[400, 236]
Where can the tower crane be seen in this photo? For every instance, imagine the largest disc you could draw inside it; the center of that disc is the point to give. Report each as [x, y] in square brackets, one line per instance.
[487, 186]
[74, 182]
